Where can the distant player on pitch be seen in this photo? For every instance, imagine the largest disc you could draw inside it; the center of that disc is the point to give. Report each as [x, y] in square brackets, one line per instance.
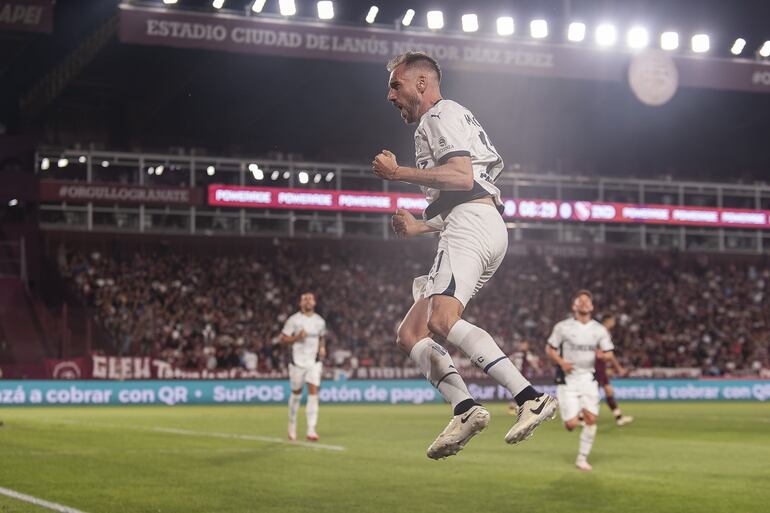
[457, 166]
[304, 332]
[574, 345]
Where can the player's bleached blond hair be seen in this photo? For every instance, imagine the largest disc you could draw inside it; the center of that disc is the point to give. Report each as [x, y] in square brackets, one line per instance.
[414, 59]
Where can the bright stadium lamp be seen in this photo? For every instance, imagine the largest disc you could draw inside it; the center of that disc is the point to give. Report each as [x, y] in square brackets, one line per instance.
[325, 9]
[211, 170]
[304, 177]
[470, 22]
[105, 163]
[150, 170]
[538, 29]
[576, 32]
[218, 4]
[317, 178]
[63, 162]
[408, 17]
[286, 175]
[258, 5]
[372, 14]
[82, 159]
[159, 170]
[638, 38]
[45, 164]
[765, 50]
[738, 46]
[169, 2]
[700, 43]
[669, 41]
[435, 20]
[329, 176]
[275, 175]
[606, 34]
[505, 26]
[287, 7]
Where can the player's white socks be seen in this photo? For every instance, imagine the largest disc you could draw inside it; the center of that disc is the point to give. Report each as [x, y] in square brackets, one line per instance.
[484, 352]
[312, 413]
[587, 436]
[294, 400]
[436, 364]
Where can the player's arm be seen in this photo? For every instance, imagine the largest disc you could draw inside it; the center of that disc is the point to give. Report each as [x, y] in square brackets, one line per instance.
[322, 347]
[557, 359]
[291, 339]
[456, 174]
[610, 358]
[405, 225]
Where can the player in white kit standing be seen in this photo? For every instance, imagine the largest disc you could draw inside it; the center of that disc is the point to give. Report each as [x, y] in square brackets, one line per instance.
[456, 167]
[574, 345]
[304, 331]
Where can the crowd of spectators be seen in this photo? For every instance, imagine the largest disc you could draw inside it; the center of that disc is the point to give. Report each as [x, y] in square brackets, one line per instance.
[215, 312]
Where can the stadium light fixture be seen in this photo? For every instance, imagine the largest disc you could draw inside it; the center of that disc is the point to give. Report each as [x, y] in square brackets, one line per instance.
[286, 175]
[211, 170]
[258, 5]
[505, 26]
[159, 170]
[169, 2]
[63, 162]
[151, 170]
[538, 29]
[765, 50]
[576, 32]
[700, 43]
[408, 17]
[329, 176]
[287, 7]
[256, 171]
[470, 22]
[738, 46]
[275, 175]
[303, 177]
[218, 4]
[372, 14]
[325, 9]
[82, 159]
[13, 202]
[317, 178]
[606, 34]
[105, 163]
[435, 20]
[669, 41]
[638, 38]
[45, 164]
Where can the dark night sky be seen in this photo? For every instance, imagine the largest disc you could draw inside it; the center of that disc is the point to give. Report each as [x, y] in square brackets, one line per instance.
[154, 98]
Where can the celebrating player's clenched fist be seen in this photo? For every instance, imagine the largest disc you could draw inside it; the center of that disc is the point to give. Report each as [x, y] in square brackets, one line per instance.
[385, 166]
[404, 224]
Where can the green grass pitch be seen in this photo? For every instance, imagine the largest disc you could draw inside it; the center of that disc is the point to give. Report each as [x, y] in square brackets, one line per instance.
[676, 457]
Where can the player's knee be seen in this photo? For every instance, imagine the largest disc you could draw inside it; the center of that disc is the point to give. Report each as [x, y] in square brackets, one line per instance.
[296, 392]
[406, 339]
[589, 419]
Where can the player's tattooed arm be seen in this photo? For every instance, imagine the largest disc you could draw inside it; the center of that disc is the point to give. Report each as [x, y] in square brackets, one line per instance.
[405, 225]
[454, 175]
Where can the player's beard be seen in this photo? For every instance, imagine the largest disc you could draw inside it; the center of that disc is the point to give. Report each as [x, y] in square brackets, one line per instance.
[412, 108]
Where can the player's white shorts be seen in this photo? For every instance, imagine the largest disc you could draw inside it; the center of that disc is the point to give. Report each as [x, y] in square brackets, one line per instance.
[580, 392]
[472, 246]
[298, 376]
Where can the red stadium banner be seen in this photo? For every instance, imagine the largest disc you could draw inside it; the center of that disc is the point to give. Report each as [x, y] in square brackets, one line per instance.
[27, 15]
[79, 192]
[292, 38]
[534, 209]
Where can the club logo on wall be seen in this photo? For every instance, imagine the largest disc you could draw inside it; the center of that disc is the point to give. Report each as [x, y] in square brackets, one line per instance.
[66, 370]
[653, 77]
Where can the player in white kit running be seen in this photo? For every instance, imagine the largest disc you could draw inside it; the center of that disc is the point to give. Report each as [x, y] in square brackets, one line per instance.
[456, 167]
[574, 345]
[304, 331]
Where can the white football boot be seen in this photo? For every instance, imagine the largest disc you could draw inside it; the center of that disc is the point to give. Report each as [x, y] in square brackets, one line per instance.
[459, 431]
[531, 414]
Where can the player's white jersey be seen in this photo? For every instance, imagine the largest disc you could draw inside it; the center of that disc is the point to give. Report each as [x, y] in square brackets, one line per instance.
[577, 343]
[304, 352]
[449, 130]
